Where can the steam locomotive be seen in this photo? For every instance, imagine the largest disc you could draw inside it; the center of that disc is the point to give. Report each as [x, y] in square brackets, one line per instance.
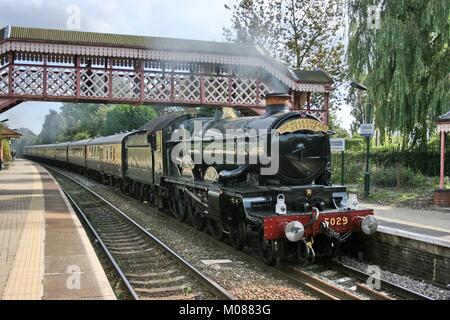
[259, 182]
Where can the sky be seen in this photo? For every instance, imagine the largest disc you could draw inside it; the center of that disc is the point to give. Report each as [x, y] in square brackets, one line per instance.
[189, 19]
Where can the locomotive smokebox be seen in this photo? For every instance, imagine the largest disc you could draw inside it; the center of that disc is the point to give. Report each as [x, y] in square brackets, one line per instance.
[277, 102]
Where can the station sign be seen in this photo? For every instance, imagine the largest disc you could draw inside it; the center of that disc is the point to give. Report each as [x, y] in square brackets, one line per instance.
[367, 129]
[337, 145]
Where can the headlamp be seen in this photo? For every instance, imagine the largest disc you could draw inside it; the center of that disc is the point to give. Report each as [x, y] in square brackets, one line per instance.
[294, 231]
[369, 225]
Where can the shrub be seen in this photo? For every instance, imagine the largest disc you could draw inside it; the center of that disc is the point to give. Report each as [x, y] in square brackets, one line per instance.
[6, 151]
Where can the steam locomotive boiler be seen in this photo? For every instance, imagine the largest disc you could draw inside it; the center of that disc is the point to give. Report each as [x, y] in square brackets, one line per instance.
[261, 182]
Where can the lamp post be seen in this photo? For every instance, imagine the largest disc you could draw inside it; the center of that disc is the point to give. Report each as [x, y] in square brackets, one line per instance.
[368, 135]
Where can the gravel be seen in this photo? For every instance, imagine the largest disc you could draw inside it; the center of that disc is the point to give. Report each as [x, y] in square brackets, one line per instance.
[420, 286]
[243, 277]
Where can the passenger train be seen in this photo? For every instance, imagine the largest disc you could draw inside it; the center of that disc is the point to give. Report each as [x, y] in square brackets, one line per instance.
[294, 213]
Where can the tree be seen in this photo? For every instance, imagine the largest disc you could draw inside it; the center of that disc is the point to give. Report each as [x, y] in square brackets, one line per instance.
[336, 126]
[357, 100]
[86, 121]
[28, 139]
[51, 128]
[404, 64]
[123, 118]
[86, 118]
[302, 33]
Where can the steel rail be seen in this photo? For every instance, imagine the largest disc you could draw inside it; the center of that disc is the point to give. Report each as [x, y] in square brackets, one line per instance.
[385, 285]
[105, 249]
[219, 290]
[310, 283]
[314, 284]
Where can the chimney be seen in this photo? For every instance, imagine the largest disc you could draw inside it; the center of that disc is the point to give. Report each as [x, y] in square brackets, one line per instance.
[277, 102]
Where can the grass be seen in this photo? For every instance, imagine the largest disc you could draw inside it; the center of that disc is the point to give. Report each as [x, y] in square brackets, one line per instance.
[399, 197]
[418, 197]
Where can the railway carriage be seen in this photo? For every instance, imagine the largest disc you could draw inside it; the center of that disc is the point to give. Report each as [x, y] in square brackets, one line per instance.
[60, 152]
[77, 154]
[51, 153]
[294, 213]
[104, 156]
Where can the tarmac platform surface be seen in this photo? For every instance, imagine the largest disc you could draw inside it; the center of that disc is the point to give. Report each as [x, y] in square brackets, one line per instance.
[431, 226]
[44, 250]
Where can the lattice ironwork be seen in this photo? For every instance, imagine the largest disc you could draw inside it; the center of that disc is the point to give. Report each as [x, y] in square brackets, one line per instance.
[4, 82]
[322, 115]
[94, 83]
[126, 85]
[28, 80]
[187, 88]
[263, 90]
[244, 91]
[61, 82]
[216, 89]
[158, 87]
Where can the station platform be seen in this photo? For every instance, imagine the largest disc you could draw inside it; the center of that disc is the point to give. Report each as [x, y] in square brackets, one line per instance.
[430, 226]
[45, 253]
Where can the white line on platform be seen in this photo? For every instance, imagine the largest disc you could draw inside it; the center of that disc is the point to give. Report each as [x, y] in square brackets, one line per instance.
[412, 224]
[415, 236]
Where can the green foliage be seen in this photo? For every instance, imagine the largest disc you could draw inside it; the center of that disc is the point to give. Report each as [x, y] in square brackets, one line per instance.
[390, 167]
[51, 128]
[357, 144]
[302, 33]
[85, 121]
[123, 118]
[336, 126]
[405, 64]
[28, 139]
[390, 177]
[6, 151]
[354, 167]
[83, 135]
[88, 119]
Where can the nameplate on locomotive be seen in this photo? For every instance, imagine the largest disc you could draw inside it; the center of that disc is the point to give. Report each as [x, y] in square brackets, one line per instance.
[302, 125]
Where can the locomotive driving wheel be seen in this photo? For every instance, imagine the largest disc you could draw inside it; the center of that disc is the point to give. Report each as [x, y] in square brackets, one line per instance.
[237, 236]
[172, 202]
[177, 205]
[215, 229]
[195, 217]
[267, 250]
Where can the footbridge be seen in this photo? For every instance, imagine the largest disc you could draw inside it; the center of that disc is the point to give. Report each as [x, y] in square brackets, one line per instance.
[72, 66]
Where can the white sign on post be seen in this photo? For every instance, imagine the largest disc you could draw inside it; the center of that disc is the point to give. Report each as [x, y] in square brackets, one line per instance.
[337, 145]
[367, 129]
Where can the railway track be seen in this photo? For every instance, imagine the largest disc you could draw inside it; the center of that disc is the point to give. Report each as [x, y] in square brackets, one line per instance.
[149, 269]
[386, 288]
[334, 281]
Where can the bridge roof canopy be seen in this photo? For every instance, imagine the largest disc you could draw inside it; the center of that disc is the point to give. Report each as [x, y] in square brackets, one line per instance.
[28, 34]
[128, 41]
[313, 76]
